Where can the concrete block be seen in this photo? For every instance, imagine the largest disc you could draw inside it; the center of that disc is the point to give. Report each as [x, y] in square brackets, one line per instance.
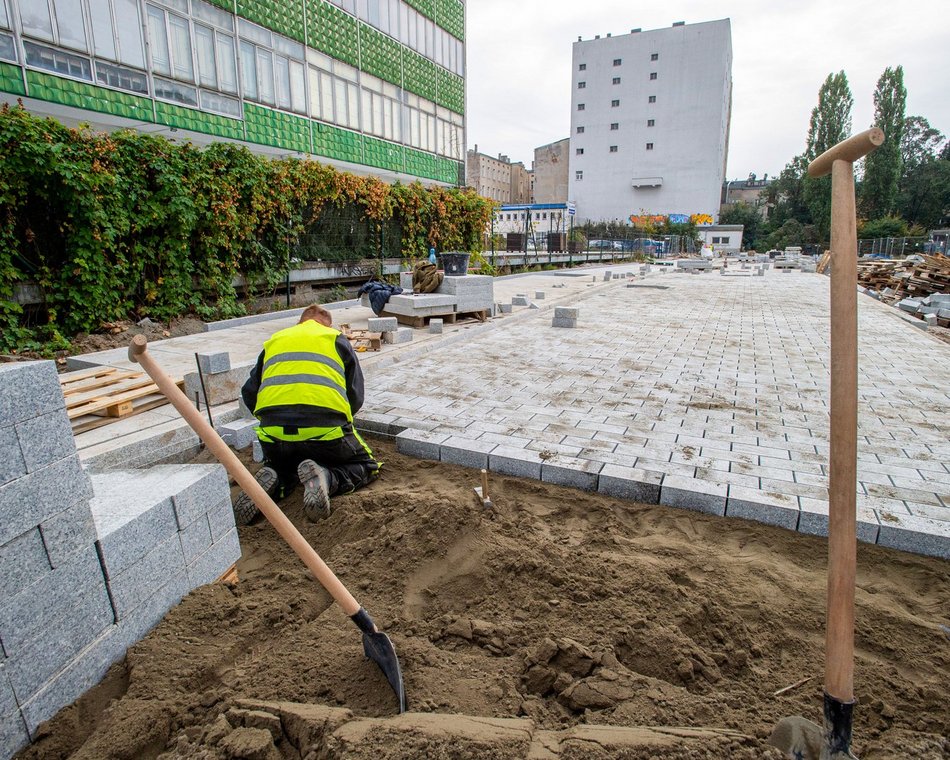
[221, 519]
[505, 308]
[73, 591]
[257, 451]
[401, 335]
[22, 561]
[472, 292]
[617, 275]
[27, 390]
[539, 295]
[911, 533]
[212, 364]
[222, 387]
[435, 326]
[691, 493]
[466, 452]
[239, 434]
[382, 324]
[13, 733]
[561, 322]
[521, 463]
[12, 465]
[420, 443]
[813, 520]
[214, 562]
[930, 319]
[45, 439]
[910, 305]
[519, 300]
[567, 312]
[405, 281]
[195, 539]
[607, 275]
[84, 672]
[766, 507]
[630, 483]
[68, 532]
[28, 501]
[142, 579]
[421, 304]
[570, 471]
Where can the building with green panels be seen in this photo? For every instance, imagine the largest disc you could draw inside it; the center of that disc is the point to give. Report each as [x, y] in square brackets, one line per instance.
[369, 86]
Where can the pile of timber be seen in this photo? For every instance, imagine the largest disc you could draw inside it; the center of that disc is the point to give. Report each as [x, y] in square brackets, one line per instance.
[917, 278]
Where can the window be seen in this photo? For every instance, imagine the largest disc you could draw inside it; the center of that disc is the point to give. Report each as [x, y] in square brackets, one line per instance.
[614, 103]
[272, 69]
[7, 48]
[170, 40]
[120, 77]
[42, 57]
[582, 67]
[580, 130]
[651, 122]
[615, 126]
[613, 148]
[579, 176]
[652, 75]
[618, 61]
[717, 240]
[616, 80]
[580, 106]
[581, 85]
[649, 146]
[117, 31]
[654, 56]
[579, 152]
[653, 98]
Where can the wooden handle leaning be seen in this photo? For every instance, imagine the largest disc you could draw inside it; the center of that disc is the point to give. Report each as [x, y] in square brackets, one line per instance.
[847, 150]
[223, 453]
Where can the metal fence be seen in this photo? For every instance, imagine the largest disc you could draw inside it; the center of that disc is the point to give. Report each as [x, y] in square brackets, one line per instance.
[897, 247]
[657, 246]
[338, 234]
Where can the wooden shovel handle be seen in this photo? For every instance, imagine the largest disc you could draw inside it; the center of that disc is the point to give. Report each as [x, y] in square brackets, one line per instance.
[849, 150]
[138, 353]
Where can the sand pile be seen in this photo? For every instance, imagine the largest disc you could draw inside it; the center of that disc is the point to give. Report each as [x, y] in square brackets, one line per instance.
[563, 608]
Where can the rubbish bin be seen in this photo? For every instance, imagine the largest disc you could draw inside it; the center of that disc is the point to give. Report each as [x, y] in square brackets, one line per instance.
[454, 264]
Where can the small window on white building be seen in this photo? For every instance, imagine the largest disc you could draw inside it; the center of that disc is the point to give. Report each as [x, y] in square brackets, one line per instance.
[655, 57]
[652, 99]
[618, 61]
[580, 130]
[579, 152]
[652, 75]
[649, 146]
[581, 85]
[614, 103]
[651, 122]
[615, 126]
[616, 80]
[580, 106]
[582, 67]
[613, 148]
[579, 176]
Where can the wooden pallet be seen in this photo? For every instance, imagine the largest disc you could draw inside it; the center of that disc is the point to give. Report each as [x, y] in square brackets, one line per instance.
[230, 576]
[449, 318]
[98, 396]
[362, 340]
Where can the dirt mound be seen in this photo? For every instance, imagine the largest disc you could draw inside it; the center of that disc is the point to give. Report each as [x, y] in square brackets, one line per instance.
[567, 608]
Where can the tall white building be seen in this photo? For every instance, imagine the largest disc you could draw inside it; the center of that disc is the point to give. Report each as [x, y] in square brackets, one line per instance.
[650, 121]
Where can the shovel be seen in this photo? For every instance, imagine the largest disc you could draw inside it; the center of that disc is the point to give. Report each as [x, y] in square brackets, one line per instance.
[800, 738]
[376, 644]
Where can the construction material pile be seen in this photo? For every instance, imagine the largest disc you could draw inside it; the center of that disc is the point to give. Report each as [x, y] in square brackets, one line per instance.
[916, 277]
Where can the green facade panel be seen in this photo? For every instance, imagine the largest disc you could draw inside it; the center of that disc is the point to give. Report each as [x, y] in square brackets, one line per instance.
[385, 155]
[421, 164]
[334, 142]
[380, 55]
[332, 31]
[450, 15]
[425, 7]
[450, 91]
[419, 74]
[90, 97]
[11, 79]
[277, 129]
[198, 121]
[227, 5]
[282, 16]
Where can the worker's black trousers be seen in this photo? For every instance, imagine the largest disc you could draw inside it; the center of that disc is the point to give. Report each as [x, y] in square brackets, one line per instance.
[348, 460]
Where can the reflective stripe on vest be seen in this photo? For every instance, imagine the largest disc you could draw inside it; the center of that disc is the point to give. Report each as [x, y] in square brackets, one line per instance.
[302, 366]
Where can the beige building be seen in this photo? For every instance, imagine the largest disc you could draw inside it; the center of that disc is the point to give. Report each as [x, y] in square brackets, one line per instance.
[550, 169]
[491, 177]
[751, 191]
[520, 184]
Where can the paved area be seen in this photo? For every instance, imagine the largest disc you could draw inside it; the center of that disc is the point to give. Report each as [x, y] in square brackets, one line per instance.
[700, 391]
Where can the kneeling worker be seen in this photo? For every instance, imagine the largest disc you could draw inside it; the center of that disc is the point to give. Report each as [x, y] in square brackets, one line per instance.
[305, 389]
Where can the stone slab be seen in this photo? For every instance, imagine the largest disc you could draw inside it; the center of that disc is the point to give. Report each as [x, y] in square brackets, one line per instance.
[505, 308]
[215, 561]
[195, 539]
[767, 507]
[420, 443]
[213, 364]
[571, 471]
[382, 324]
[915, 534]
[13, 734]
[28, 390]
[691, 493]
[239, 434]
[221, 519]
[630, 483]
[205, 486]
[466, 452]
[563, 322]
[68, 532]
[399, 335]
[8, 702]
[435, 326]
[519, 300]
[539, 295]
[139, 621]
[423, 304]
[509, 460]
[142, 579]
[813, 520]
[566, 312]
[22, 561]
[12, 464]
[221, 388]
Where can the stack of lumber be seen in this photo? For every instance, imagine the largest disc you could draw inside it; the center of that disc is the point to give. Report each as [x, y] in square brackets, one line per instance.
[896, 280]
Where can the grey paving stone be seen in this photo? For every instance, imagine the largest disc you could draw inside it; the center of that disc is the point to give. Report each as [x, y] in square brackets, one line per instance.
[22, 561]
[206, 485]
[539, 295]
[239, 434]
[212, 364]
[510, 460]
[12, 465]
[45, 439]
[382, 324]
[67, 590]
[221, 519]
[563, 322]
[68, 532]
[519, 300]
[505, 308]
[690, 493]
[142, 579]
[195, 539]
[27, 390]
[915, 534]
[571, 471]
[214, 562]
[466, 452]
[7, 700]
[222, 387]
[257, 452]
[84, 672]
[766, 507]
[630, 483]
[566, 312]
[13, 734]
[28, 501]
[435, 326]
[420, 443]
[400, 335]
[813, 520]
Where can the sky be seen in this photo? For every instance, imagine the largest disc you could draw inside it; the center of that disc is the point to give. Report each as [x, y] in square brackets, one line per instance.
[519, 66]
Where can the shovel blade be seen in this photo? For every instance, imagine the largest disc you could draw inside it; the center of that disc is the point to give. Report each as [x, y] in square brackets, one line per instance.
[379, 648]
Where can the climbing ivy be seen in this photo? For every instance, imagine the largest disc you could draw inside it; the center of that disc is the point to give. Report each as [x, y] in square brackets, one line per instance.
[117, 225]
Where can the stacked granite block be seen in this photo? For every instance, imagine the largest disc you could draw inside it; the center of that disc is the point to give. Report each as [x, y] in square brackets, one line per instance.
[239, 434]
[421, 305]
[221, 382]
[79, 586]
[565, 316]
[473, 292]
[519, 300]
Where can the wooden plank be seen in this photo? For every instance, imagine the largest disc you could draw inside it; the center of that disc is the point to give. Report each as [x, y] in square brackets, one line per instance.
[91, 422]
[82, 396]
[105, 402]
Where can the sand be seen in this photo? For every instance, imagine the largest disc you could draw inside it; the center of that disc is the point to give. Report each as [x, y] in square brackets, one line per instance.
[564, 607]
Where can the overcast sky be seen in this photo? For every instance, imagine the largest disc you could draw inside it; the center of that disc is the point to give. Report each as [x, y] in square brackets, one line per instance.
[519, 65]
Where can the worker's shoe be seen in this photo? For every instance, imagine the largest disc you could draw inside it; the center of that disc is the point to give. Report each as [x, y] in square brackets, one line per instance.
[316, 490]
[245, 509]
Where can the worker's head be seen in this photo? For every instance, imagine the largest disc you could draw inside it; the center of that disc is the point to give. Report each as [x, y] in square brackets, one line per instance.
[318, 314]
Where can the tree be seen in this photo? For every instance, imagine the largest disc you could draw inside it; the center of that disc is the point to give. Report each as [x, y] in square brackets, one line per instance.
[924, 198]
[882, 167]
[747, 215]
[886, 226]
[830, 124]
[919, 142]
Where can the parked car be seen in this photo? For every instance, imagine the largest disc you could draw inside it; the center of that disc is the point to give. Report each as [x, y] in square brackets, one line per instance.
[605, 245]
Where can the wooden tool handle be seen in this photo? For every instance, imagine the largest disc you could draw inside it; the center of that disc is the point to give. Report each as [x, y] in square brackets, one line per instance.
[138, 353]
[485, 485]
[847, 150]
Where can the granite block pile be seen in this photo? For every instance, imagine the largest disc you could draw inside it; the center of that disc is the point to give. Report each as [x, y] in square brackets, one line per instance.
[88, 565]
[474, 292]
